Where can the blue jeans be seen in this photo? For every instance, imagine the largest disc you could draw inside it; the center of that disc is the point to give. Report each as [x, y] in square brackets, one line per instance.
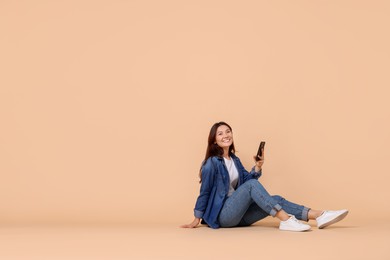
[251, 203]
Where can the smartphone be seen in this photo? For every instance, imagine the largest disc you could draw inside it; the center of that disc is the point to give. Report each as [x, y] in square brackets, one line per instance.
[260, 151]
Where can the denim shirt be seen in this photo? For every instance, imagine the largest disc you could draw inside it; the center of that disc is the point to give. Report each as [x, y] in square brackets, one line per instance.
[215, 187]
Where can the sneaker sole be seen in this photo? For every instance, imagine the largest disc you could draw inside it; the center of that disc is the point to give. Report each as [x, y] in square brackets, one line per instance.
[335, 220]
[294, 230]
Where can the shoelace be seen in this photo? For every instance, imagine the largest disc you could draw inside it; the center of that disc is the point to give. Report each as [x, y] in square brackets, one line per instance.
[295, 220]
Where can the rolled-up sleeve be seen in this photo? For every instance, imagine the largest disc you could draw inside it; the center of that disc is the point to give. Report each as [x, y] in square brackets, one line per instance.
[255, 174]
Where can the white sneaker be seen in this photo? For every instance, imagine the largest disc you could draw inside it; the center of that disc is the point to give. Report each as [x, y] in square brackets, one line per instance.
[329, 217]
[292, 224]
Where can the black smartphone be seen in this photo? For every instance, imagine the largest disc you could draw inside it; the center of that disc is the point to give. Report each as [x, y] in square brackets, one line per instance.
[260, 151]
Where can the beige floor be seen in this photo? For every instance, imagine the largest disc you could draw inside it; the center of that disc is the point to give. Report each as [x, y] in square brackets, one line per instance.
[345, 240]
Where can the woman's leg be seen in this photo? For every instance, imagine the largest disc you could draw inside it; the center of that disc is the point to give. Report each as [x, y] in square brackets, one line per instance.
[299, 211]
[252, 215]
[324, 218]
[314, 214]
[255, 213]
[239, 202]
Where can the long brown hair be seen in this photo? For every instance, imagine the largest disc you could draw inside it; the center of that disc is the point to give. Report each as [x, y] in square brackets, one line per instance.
[214, 149]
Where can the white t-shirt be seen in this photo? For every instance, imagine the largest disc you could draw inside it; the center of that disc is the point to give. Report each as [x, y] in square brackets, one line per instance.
[233, 174]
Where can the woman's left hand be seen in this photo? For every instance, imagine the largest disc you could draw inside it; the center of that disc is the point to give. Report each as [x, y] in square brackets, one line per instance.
[259, 160]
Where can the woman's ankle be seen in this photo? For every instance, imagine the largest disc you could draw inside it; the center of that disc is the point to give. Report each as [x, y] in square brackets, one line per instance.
[313, 214]
[282, 215]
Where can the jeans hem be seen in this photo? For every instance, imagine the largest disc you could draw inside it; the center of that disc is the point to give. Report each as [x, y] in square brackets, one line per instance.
[305, 214]
[276, 208]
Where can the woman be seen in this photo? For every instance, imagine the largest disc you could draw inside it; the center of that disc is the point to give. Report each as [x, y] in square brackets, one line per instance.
[230, 196]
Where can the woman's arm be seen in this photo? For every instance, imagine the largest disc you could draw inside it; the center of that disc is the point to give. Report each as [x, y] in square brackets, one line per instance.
[256, 171]
[208, 174]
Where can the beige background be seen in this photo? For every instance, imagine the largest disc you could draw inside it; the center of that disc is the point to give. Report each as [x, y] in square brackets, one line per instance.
[105, 106]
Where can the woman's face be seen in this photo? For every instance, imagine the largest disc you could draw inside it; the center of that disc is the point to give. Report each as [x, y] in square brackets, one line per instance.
[224, 137]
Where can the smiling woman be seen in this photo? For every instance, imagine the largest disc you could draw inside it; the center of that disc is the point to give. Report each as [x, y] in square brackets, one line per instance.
[230, 196]
[221, 135]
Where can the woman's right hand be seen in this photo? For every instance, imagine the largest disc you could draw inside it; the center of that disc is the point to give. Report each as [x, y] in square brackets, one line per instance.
[193, 224]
